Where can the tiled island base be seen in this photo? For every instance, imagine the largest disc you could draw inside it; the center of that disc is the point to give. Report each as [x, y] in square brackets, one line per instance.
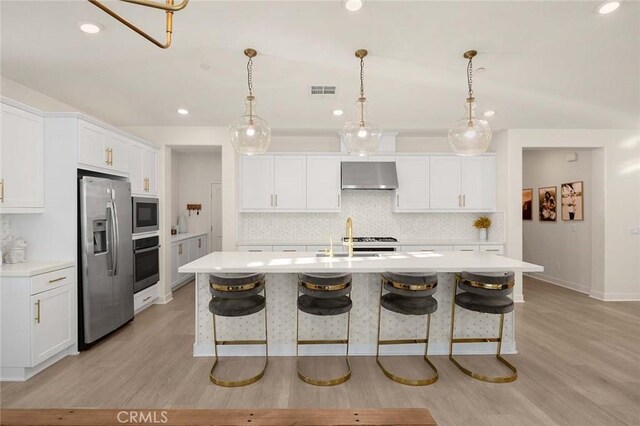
[282, 294]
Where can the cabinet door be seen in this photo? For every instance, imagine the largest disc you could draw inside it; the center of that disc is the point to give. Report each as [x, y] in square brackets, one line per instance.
[466, 248]
[52, 322]
[413, 183]
[21, 159]
[290, 183]
[183, 256]
[92, 145]
[174, 263]
[256, 182]
[323, 183]
[444, 183]
[478, 183]
[118, 156]
[135, 164]
[193, 249]
[151, 171]
[202, 246]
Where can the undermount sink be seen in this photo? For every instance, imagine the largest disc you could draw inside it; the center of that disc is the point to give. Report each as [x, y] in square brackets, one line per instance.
[323, 254]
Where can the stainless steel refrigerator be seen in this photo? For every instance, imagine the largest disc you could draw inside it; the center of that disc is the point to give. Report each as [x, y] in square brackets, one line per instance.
[105, 251]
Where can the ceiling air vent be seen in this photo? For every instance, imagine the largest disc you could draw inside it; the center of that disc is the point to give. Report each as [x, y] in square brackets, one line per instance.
[323, 90]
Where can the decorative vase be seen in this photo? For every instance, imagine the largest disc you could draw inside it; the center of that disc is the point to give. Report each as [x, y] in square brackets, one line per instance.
[482, 234]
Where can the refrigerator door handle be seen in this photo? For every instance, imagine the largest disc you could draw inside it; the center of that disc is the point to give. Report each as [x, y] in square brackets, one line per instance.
[111, 236]
[116, 232]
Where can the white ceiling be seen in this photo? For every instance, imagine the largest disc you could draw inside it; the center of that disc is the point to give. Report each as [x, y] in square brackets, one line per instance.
[548, 64]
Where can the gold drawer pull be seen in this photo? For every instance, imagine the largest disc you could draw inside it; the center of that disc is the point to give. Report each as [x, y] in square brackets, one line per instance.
[57, 279]
[38, 311]
[146, 298]
[1, 190]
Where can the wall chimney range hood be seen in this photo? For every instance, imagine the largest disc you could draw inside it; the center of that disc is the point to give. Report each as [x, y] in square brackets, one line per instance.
[369, 175]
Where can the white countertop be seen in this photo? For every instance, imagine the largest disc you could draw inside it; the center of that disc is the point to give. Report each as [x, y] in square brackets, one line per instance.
[29, 269]
[338, 241]
[181, 237]
[278, 262]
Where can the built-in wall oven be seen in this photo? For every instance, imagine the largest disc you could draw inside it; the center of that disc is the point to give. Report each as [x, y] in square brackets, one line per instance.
[145, 215]
[146, 262]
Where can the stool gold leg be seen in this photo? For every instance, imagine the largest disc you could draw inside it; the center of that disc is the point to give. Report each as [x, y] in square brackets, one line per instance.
[394, 377]
[247, 381]
[322, 382]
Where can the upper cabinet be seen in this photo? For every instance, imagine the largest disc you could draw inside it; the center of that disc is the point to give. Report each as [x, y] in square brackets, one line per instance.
[413, 183]
[100, 148]
[462, 183]
[21, 161]
[323, 183]
[273, 183]
[143, 169]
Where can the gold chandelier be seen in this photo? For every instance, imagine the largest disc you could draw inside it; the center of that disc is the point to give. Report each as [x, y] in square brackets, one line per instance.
[168, 7]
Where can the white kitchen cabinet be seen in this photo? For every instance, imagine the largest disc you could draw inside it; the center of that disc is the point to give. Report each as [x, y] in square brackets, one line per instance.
[290, 183]
[183, 252]
[466, 247]
[426, 249]
[323, 183]
[413, 183]
[273, 183]
[52, 329]
[255, 249]
[445, 177]
[256, 182]
[462, 183]
[494, 248]
[101, 148]
[21, 161]
[38, 321]
[289, 248]
[145, 298]
[143, 169]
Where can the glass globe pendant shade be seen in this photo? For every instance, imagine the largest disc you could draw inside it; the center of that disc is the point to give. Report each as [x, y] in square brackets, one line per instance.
[361, 137]
[470, 135]
[249, 133]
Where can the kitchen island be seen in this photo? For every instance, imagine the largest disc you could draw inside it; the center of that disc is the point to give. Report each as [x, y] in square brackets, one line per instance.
[281, 271]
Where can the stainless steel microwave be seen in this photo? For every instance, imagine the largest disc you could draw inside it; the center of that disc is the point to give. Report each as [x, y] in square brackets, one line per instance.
[145, 215]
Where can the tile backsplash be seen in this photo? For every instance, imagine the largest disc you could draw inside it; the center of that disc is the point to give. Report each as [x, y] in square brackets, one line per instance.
[6, 232]
[372, 213]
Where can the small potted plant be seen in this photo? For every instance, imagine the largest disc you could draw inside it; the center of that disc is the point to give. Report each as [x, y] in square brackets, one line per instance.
[482, 224]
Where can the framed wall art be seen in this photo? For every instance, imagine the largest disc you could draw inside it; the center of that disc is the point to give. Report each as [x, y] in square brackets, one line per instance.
[547, 204]
[527, 204]
[572, 200]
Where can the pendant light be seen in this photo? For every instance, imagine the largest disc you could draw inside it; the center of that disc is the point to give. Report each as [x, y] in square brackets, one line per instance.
[249, 133]
[362, 136]
[470, 135]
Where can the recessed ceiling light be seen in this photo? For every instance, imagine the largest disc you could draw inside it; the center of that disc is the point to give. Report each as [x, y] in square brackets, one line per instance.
[89, 27]
[353, 5]
[607, 7]
[183, 111]
[338, 112]
[489, 113]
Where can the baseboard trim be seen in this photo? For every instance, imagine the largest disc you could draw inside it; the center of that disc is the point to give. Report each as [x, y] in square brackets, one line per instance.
[355, 349]
[560, 283]
[20, 374]
[632, 296]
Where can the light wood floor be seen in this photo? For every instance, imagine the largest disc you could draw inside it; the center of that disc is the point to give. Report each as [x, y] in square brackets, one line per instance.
[578, 362]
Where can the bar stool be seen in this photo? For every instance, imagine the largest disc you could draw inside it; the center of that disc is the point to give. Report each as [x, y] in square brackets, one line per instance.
[486, 293]
[408, 294]
[237, 295]
[324, 294]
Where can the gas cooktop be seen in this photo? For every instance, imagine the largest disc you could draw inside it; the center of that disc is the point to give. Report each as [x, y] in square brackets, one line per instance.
[372, 239]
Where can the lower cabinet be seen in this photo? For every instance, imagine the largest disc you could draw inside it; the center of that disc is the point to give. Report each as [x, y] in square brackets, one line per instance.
[38, 321]
[145, 298]
[183, 252]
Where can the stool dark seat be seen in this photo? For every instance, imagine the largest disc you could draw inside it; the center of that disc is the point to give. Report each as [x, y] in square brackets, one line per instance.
[486, 293]
[237, 295]
[408, 294]
[324, 294]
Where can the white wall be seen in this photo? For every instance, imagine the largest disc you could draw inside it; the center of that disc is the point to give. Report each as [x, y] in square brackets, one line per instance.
[175, 187]
[615, 269]
[196, 172]
[33, 98]
[562, 247]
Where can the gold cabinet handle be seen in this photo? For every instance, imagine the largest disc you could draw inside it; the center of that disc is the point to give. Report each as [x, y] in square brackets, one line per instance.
[464, 201]
[199, 243]
[146, 298]
[106, 151]
[1, 190]
[57, 279]
[179, 248]
[38, 311]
